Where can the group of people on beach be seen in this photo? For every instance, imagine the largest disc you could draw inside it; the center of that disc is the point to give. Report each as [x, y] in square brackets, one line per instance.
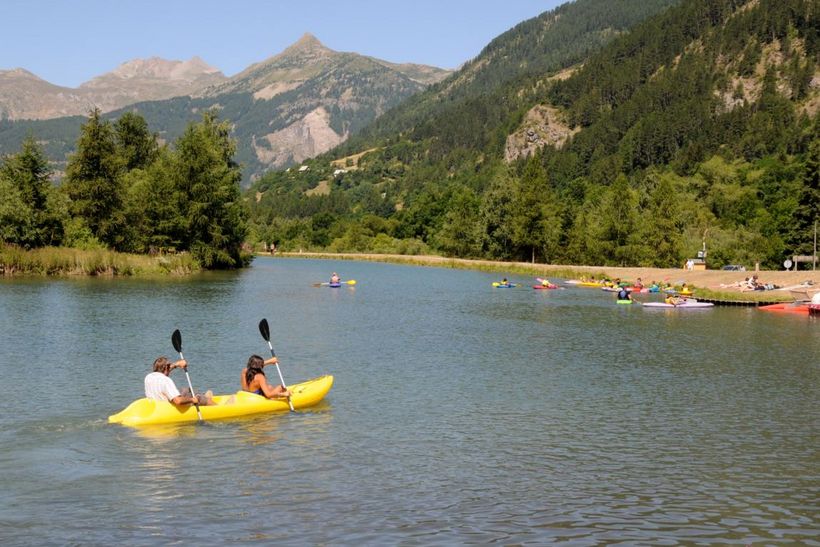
[160, 387]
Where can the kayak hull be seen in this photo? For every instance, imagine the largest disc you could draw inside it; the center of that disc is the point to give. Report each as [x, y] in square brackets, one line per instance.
[786, 308]
[242, 403]
[623, 301]
[334, 285]
[545, 286]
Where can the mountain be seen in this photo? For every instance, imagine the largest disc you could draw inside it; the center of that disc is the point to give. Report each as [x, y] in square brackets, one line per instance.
[25, 96]
[285, 109]
[628, 147]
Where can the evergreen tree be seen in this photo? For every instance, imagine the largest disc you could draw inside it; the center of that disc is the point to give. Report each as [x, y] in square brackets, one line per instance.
[93, 181]
[801, 238]
[137, 146]
[207, 177]
[29, 191]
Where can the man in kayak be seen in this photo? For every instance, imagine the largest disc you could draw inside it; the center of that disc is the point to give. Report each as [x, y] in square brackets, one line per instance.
[254, 380]
[160, 387]
[623, 294]
[334, 279]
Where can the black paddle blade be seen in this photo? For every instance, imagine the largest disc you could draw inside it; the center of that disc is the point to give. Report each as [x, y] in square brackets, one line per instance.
[176, 340]
[264, 329]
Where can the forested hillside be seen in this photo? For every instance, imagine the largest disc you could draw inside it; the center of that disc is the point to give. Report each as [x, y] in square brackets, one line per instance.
[698, 126]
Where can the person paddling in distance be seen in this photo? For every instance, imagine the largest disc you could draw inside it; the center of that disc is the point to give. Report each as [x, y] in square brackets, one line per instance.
[254, 380]
[334, 279]
[160, 387]
[623, 294]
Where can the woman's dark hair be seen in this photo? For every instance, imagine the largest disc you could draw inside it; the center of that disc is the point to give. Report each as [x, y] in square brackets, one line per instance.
[255, 364]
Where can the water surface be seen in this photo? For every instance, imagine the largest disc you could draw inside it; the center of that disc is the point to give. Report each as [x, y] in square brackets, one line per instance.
[460, 414]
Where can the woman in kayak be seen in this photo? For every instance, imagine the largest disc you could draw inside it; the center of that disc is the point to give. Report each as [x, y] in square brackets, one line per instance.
[160, 387]
[623, 294]
[254, 380]
[335, 278]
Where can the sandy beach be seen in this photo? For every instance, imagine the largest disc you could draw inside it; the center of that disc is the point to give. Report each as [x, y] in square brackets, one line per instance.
[718, 280]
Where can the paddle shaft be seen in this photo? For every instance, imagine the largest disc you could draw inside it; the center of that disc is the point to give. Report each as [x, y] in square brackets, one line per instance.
[281, 378]
[191, 387]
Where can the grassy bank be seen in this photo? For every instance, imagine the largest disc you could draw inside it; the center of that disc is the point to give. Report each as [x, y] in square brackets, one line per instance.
[64, 261]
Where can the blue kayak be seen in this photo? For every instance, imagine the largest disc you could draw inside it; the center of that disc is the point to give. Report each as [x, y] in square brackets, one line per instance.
[334, 285]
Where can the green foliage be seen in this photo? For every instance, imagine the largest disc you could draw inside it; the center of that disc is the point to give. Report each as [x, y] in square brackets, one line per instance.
[30, 214]
[94, 181]
[124, 192]
[203, 172]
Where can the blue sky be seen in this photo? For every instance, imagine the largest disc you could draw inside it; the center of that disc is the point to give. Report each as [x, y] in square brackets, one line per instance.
[69, 42]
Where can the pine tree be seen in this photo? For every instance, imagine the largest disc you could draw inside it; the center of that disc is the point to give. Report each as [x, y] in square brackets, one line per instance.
[93, 181]
[28, 175]
[207, 178]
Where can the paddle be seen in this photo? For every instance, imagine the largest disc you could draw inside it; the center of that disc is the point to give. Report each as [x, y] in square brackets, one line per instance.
[348, 282]
[176, 340]
[264, 330]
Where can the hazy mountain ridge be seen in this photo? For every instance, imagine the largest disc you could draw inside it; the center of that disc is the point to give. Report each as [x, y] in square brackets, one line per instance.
[289, 107]
[24, 95]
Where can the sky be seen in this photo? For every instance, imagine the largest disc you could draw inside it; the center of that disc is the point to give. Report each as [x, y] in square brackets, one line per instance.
[68, 42]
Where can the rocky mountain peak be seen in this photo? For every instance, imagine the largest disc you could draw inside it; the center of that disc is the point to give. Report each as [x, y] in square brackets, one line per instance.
[308, 43]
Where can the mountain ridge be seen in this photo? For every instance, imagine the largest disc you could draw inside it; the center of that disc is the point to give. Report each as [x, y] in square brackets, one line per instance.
[284, 109]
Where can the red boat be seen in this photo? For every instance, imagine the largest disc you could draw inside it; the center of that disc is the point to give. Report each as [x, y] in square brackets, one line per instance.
[786, 307]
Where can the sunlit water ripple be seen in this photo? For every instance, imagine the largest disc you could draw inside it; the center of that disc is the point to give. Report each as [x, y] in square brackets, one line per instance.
[460, 414]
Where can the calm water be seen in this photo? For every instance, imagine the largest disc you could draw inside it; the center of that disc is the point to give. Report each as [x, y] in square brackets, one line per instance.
[460, 414]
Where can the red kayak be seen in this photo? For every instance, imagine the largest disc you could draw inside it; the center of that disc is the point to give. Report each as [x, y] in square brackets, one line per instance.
[545, 286]
[786, 308]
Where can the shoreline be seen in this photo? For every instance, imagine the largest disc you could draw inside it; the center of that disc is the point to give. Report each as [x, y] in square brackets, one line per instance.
[703, 279]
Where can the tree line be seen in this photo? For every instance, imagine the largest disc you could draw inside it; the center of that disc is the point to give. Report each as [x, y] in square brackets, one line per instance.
[123, 190]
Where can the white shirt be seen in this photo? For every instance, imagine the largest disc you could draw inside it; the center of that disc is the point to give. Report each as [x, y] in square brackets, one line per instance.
[160, 387]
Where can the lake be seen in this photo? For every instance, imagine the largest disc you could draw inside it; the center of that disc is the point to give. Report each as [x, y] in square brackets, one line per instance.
[460, 414]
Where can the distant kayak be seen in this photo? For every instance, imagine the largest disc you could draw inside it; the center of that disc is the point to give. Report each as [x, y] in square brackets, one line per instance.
[336, 285]
[498, 285]
[689, 304]
[545, 286]
[242, 403]
[623, 301]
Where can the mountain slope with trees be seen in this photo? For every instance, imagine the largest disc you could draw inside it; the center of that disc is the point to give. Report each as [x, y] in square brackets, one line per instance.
[697, 127]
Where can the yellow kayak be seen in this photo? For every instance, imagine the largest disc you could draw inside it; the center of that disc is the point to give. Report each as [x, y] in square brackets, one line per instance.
[242, 403]
[590, 284]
